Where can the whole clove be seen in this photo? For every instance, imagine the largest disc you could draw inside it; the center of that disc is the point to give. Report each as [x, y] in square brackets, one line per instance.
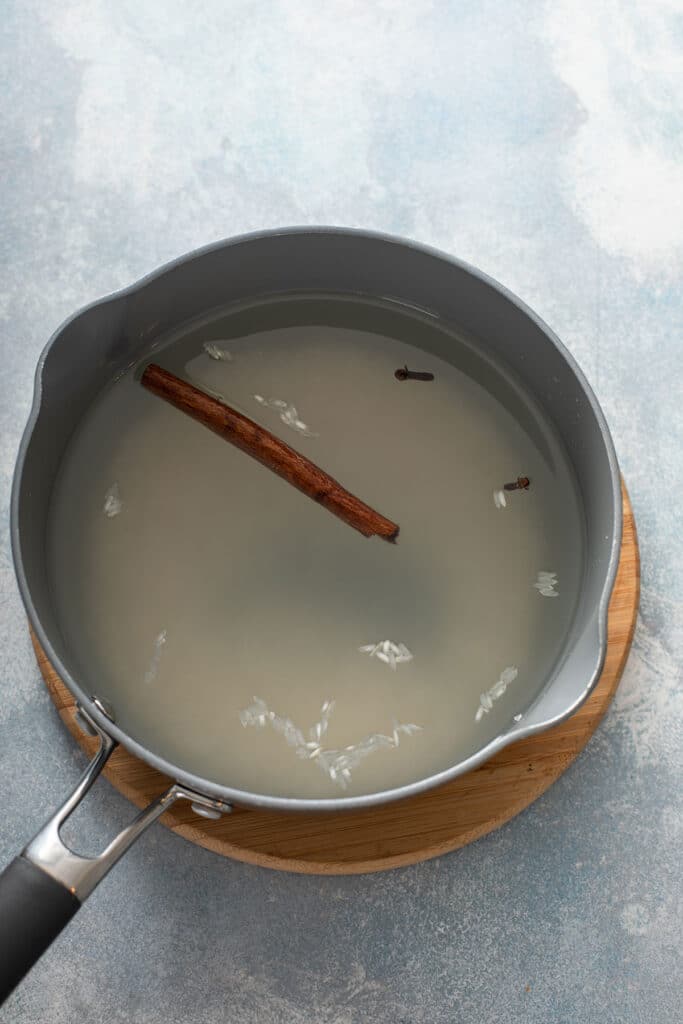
[403, 373]
[520, 484]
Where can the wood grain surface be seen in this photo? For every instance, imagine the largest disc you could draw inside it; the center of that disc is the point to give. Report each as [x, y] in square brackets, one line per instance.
[408, 831]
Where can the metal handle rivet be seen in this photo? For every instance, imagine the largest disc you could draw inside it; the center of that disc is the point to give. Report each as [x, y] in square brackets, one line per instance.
[212, 813]
[105, 707]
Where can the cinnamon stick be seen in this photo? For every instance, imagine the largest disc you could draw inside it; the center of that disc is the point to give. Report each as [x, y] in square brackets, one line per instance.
[270, 451]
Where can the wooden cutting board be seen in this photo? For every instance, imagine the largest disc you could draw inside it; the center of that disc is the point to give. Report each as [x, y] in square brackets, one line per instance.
[411, 830]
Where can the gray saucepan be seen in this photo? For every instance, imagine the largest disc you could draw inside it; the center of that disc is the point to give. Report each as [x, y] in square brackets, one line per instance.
[45, 885]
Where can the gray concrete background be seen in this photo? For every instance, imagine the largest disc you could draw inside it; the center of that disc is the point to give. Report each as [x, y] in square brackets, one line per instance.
[544, 143]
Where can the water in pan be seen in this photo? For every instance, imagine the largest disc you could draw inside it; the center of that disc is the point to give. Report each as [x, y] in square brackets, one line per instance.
[220, 610]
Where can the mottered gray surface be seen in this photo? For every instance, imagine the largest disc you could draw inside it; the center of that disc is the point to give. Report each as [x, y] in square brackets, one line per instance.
[542, 142]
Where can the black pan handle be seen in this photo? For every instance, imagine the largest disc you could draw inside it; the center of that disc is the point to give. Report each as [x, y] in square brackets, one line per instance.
[42, 889]
[33, 910]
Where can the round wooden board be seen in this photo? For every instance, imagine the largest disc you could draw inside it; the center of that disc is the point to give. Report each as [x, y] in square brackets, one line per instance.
[408, 831]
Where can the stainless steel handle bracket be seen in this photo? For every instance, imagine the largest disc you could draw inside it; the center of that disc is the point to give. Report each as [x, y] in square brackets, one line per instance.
[81, 874]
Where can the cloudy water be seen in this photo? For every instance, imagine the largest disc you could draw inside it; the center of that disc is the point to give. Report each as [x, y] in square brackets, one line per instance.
[247, 635]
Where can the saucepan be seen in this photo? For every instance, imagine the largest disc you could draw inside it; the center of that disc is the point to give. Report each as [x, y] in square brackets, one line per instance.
[46, 884]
